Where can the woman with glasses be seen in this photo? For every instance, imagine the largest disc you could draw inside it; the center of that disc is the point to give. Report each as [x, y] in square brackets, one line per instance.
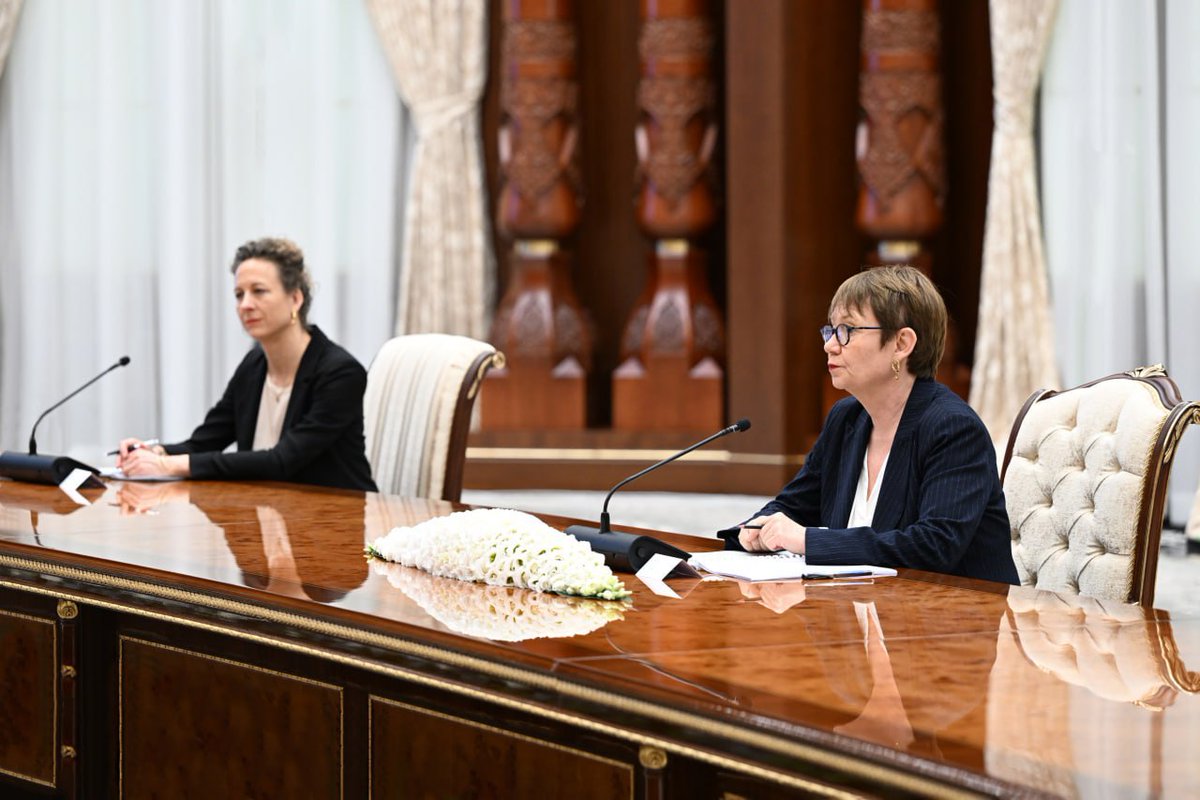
[904, 472]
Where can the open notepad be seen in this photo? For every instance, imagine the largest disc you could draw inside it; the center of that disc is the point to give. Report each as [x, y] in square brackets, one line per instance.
[779, 566]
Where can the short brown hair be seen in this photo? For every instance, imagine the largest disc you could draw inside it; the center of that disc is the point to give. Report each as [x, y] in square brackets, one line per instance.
[900, 297]
[288, 258]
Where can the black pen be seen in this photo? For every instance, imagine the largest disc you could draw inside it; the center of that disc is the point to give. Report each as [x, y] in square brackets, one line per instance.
[823, 577]
[147, 443]
[751, 526]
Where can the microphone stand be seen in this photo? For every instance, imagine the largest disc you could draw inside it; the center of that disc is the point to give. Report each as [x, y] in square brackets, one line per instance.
[604, 518]
[33, 467]
[628, 552]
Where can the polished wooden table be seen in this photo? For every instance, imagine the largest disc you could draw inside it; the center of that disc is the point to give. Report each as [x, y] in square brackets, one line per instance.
[230, 640]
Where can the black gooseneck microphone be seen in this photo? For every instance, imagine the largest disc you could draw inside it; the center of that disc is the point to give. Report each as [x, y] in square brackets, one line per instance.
[122, 361]
[35, 468]
[628, 552]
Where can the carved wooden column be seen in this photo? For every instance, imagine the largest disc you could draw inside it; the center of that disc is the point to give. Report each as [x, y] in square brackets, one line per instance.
[540, 324]
[671, 373]
[901, 152]
[900, 148]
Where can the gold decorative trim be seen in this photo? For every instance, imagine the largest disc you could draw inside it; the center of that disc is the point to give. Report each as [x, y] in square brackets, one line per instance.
[53, 782]
[813, 754]
[652, 757]
[341, 695]
[1190, 416]
[611, 762]
[1175, 421]
[594, 454]
[892, 250]
[67, 610]
[496, 361]
[671, 248]
[535, 248]
[1151, 371]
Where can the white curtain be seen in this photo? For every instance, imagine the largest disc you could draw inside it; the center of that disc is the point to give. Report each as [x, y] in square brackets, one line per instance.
[1180, 324]
[141, 141]
[438, 52]
[9, 11]
[1014, 350]
[1120, 116]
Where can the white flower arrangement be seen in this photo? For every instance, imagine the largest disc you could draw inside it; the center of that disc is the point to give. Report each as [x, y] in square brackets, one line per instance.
[501, 547]
[499, 613]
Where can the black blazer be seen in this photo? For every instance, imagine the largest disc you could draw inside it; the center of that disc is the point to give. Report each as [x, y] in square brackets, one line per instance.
[940, 504]
[322, 438]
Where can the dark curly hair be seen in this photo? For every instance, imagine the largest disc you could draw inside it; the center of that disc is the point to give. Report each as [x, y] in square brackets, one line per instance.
[288, 259]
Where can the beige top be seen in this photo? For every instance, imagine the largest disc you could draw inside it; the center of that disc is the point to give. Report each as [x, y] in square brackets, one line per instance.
[271, 410]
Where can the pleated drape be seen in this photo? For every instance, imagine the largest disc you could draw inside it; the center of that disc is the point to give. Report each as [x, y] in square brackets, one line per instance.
[9, 11]
[1014, 346]
[438, 53]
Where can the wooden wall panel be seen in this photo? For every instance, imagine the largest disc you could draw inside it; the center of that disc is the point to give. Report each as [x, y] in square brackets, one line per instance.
[790, 107]
[29, 673]
[421, 753]
[967, 95]
[792, 76]
[276, 735]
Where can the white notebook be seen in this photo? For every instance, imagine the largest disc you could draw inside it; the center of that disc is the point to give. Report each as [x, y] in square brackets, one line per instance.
[779, 566]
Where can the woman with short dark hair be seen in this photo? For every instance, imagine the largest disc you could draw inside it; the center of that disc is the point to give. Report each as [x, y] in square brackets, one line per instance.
[904, 472]
[295, 403]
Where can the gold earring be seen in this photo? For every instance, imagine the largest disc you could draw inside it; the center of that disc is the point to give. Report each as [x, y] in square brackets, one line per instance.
[294, 316]
[896, 368]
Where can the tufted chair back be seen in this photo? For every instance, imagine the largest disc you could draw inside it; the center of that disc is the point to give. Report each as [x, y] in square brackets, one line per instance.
[1085, 478]
[417, 411]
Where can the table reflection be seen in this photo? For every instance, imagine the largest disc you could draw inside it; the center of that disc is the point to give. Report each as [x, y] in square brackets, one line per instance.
[499, 613]
[1056, 653]
[1118, 651]
[277, 549]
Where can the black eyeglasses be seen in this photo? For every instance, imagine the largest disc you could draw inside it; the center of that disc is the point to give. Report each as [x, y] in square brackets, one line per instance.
[843, 331]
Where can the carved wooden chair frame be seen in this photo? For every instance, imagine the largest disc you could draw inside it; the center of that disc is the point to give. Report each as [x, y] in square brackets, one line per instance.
[460, 428]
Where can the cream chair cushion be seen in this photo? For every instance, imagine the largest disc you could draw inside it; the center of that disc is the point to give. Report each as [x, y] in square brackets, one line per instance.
[1075, 486]
[413, 390]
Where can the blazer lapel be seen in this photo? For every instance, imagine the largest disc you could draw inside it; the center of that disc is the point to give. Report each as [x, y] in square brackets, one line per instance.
[248, 412]
[304, 376]
[850, 468]
[890, 505]
[889, 509]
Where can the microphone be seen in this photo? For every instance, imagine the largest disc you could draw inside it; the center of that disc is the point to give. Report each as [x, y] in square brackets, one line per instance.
[33, 433]
[35, 468]
[627, 552]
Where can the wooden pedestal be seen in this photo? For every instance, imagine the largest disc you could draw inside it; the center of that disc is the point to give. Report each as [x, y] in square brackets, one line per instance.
[670, 376]
[547, 341]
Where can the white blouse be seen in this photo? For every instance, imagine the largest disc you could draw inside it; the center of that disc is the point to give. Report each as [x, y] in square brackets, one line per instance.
[271, 410]
[862, 513]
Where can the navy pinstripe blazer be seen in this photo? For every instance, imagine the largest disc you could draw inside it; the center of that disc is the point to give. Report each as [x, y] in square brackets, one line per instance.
[940, 505]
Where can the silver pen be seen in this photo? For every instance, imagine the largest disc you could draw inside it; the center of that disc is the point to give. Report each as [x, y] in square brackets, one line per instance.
[147, 443]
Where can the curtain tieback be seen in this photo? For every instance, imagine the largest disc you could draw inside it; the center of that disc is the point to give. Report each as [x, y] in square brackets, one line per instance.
[436, 113]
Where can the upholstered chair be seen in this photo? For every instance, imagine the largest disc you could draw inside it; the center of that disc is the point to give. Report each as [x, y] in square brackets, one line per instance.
[1085, 477]
[417, 411]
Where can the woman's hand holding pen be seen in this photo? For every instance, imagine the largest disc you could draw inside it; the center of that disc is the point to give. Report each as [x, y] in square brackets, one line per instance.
[130, 444]
[137, 458]
[776, 532]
